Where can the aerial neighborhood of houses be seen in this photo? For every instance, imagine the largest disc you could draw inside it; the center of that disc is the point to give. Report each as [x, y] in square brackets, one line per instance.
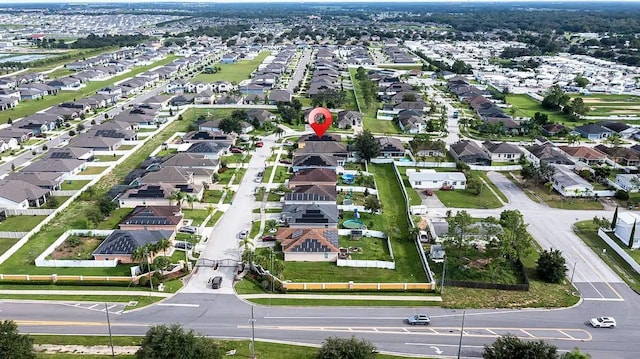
[167, 151]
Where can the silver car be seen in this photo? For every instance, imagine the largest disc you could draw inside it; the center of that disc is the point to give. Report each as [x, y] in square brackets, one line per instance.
[419, 319]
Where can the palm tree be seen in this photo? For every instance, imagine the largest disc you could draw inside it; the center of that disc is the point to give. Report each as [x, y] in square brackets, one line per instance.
[175, 196]
[190, 199]
[163, 244]
[279, 131]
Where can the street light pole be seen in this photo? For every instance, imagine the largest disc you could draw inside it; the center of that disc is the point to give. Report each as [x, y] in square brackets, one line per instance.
[106, 309]
[273, 282]
[253, 335]
[444, 267]
[573, 271]
[461, 332]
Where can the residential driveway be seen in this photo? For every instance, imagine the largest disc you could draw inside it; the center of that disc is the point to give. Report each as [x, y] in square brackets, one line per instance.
[223, 242]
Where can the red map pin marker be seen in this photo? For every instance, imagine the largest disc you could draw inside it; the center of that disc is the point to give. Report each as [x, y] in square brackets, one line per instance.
[320, 128]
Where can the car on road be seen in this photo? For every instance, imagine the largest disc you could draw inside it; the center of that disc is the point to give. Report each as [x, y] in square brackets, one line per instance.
[603, 322]
[188, 229]
[216, 282]
[268, 238]
[419, 319]
[243, 234]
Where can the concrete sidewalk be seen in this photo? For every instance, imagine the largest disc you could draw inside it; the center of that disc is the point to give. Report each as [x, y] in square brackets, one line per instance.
[84, 292]
[426, 298]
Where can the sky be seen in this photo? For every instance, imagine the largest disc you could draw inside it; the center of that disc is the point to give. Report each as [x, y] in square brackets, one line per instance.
[2, 2]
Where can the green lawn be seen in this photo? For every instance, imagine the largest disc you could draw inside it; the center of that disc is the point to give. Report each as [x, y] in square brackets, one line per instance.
[263, 350]
[588, 232]
[20, 223]
[212, 196]
[92, 170]
[115, 218]
[344, 303]
[126, 147]
[197, 215]
[526, 107]
[371, 248]
[267, 174]
[73, 185]
[281, 175]
[555, 200]
[6, 243]
[483, 175]
[463, 198]
[234, 72]
[60, 73]
[106, 158]
[369, 113]
[26, 108]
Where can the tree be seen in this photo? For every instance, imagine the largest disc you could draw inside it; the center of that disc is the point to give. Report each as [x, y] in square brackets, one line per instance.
[341, 348]
[459, 229]
[614, 221]
[551, 267]
[228, 125]
[555, 98]
[14, 345]
[161, 263]
[460, 67]
[578, 106]
[509, 346]
[515, 241]
[367, 145]
[371, 203]
[581, 81]
[172, 342]
[575, 354]
[52, 202]
[163, 244]
[105, 204]
[94, 215]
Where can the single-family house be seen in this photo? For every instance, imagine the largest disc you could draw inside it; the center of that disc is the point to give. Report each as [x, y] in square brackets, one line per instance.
[593, 132]
[46, 180]
[502, 152]
[17, 194]
[311, 194]
[276, 96]
[204, 97]
[628, 181]
[153, 218]
[619, 127]
[310, 215]
[584, 154]
[158, 194]
[67, 167]
[121, 244]
[391, 147]
[348, 119]
[97, 143]
[569, 183]
[470, 153]
[314, 160]
[621, 155]
[313, 176]
[547, 153]
[70, 152]
[309, 244]
[430, 179]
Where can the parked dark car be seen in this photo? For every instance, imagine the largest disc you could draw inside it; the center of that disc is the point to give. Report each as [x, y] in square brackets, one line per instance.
[236, 150]
[286, 162]
[268, 238]
[259, 144]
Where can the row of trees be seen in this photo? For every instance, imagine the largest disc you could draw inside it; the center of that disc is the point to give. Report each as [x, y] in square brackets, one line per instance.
[368, 88]
[329, 99]
[556, 99]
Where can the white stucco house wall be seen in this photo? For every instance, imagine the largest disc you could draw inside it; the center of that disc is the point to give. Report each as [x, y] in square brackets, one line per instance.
[430, 179]
[624, 224]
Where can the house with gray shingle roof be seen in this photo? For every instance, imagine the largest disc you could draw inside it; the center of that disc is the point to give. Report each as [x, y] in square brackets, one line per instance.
[67, 167]
[17, 194]
[311, 215]
[470, 153]
[502, 152]
[121, 244]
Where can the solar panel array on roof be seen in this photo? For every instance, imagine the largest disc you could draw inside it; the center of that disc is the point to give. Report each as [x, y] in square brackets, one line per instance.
[148, 220]
[149, 192]
[312, 216]
[61, 155]
[184, 188]
[311, 245]
[109, 133]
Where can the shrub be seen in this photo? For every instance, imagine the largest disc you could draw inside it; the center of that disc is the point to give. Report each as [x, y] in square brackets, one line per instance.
[622, 195]
[551, 266]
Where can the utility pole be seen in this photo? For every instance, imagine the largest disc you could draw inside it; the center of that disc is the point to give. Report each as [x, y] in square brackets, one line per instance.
[253, 335]
[573, 271]
[106, 309]
[273, 282]
[461, 332]
[444, 267]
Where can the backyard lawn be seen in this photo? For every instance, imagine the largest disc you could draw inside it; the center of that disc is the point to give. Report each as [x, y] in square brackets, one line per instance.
[20, 223]
[464, 198]
[197, 215]
[234, 72]
[93, 170]
[73, 185]
[369, 113]
[106, 158]
[212, 196]
[366, 248]
[6, 243]
[115, 218]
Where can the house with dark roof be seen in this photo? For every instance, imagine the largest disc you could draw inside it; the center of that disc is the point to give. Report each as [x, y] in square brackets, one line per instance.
[96, 143]
[157, 194]
[553, 129]
[67, 167]
[316, 160]
[121, 244]
[210, 150]
[153, 218]
[470, 153]
[17, 194]
[621, 155]
[69, 152]
[502, 152]
[191, 161]
[46, 180]
[314, 137]
[309, 244]
[311, 194]
[391, 147]
[168, 175]
[547, 153]
[310, 215]
[593, 132]
[348, 119]
[619, 127]
[318, 176]
[276, 96]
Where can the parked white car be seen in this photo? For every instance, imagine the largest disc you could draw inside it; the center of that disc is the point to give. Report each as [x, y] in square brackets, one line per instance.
[603, 322]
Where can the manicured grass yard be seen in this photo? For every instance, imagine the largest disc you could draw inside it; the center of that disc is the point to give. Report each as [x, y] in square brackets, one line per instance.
[281, 175]
[126, 147]
[371, 248]
[20, 223]
[197, 215]
[527, 107]
[115, 218]
[267, 174]
[106, 158]
[212, 196]
[234, 72]
[73, 185]
[92, 170]
[6, 243]
[463, 198]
